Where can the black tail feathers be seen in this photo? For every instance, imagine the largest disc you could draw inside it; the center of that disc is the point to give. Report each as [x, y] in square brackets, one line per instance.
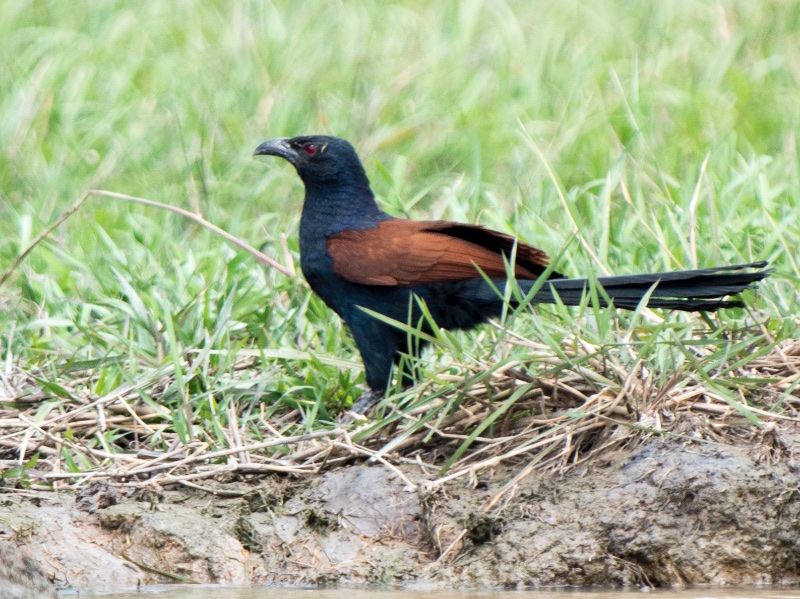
[688, 290]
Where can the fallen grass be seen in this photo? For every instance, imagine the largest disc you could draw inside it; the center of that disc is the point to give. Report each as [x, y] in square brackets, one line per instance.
[583, 400]
[563, 403]
[139, 347]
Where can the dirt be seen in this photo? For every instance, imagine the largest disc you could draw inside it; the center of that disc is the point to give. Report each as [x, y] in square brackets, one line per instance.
[668, 513]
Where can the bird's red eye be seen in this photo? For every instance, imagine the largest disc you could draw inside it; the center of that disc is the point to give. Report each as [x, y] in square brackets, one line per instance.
[310, 149]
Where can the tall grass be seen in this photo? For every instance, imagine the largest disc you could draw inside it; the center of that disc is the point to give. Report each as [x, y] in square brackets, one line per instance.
[656, 135]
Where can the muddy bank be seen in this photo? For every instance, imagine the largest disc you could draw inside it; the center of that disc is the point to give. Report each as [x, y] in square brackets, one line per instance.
[666, 513]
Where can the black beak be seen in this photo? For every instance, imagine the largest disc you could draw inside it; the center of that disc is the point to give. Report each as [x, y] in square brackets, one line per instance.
[277, 147]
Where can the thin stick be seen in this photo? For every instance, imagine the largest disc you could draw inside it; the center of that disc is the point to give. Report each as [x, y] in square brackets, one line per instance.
[576, 230]
[693, 211]
[200, 221]
[69, 212]
[201, 457]
[121, 196]
[364, 451]
[452, 545]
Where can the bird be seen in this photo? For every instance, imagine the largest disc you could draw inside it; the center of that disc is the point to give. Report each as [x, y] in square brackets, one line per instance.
[364, 262]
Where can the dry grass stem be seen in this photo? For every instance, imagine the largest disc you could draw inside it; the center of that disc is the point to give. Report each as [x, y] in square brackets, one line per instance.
[557, 423]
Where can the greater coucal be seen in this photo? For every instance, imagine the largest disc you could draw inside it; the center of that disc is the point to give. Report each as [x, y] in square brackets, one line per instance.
[356, 256]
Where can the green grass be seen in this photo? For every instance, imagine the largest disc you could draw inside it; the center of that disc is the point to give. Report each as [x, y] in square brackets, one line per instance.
[664, 133]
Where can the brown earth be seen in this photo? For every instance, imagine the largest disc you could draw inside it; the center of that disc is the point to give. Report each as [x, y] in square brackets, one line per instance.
[666, 513]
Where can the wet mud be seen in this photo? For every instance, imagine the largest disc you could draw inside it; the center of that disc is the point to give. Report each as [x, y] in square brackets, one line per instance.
[667, 513]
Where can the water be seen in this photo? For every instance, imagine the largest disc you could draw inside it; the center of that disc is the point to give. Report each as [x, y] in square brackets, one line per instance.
[206, 592]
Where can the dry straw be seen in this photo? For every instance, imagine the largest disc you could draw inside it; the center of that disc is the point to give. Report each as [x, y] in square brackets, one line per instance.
[553, 422]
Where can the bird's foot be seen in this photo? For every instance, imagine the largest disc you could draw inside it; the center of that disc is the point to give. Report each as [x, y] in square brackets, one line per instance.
[366, 401]
[363, 405]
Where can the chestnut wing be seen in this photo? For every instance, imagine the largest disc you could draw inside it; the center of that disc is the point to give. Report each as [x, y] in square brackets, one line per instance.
[404, 253]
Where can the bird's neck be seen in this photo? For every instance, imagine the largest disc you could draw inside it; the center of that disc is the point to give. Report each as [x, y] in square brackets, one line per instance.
[330, 210]
[325, 215]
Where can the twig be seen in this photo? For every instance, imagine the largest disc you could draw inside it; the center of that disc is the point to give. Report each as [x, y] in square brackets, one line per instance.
[200, 221]
[64, 216]
[128, 198]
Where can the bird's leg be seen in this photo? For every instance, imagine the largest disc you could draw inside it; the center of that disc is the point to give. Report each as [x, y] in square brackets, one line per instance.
[378, 345]
[366, 401]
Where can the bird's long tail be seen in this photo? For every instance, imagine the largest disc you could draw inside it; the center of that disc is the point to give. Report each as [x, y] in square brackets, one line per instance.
[689, 290]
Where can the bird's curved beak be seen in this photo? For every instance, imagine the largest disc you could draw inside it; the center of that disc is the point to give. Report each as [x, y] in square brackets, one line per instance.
[277, 147]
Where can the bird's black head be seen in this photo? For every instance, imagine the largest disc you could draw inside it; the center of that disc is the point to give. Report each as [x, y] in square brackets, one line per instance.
[320, 160]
